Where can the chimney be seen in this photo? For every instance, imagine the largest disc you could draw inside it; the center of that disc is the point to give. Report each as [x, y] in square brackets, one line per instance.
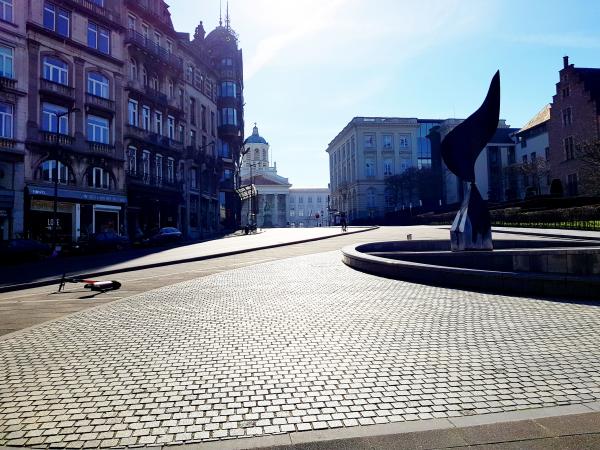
[565, 62]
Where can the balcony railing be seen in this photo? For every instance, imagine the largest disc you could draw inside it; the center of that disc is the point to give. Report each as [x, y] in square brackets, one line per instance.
[154, 138]
[8, 83]
[98, 9]
[50, 137]
[144, 43]
[57, 88]
[152, 180]
[101, 102]
[7, 142]
[99, 147]
[157, 96]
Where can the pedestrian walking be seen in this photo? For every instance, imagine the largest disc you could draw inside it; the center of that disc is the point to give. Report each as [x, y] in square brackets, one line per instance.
[343, 222]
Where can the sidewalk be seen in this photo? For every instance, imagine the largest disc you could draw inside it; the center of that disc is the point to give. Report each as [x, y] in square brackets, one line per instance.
[306, 345]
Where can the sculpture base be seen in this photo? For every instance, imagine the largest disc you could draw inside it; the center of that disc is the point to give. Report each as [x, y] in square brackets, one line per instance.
[472, 227]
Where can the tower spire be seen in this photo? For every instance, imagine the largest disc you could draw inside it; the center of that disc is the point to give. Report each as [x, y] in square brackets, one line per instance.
[220, 13]
[227, 16]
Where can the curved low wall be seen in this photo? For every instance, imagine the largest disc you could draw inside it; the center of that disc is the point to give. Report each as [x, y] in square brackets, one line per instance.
[568, 269]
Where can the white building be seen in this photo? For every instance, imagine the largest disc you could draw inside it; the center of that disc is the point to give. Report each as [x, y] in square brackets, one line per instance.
[308, 207]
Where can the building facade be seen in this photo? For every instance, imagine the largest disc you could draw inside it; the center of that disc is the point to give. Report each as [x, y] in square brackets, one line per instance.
[308, 208]
[574, 121]
[13, 118]
[110, 119]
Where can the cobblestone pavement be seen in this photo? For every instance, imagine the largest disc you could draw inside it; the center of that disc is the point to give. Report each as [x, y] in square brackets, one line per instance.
[300, 344]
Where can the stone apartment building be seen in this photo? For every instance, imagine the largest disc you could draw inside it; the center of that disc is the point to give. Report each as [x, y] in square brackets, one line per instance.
[129, 124]
[574, 120]
[13, 117]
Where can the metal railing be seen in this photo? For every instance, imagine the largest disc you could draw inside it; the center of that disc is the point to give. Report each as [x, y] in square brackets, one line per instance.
[7, 142]
[154, 181]
[153, 48]
[8, 83]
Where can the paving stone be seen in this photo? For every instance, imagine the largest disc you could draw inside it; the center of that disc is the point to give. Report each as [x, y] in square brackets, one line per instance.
[258, 351]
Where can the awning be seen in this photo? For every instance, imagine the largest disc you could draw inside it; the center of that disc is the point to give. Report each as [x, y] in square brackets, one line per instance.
[96, 197]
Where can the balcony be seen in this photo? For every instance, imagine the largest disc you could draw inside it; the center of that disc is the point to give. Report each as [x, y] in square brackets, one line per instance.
[8, 83]
[7, 142]
[150, 47]
[96, 9]
[156, 96]
[99, 147]
[154, 138]
[50, 137]
[170, 143]
[151, 180]
[99, 102]
[58, 89]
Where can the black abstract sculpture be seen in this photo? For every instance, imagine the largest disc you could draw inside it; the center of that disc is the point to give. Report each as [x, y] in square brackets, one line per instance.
[472, 229]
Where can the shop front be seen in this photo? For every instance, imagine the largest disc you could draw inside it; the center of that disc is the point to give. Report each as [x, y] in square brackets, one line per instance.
[78, 214]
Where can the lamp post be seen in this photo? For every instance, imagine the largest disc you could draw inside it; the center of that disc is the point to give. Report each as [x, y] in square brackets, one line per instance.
[56, 173]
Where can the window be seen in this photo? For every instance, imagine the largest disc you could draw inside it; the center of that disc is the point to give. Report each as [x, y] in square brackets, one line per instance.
[225, 150]
[157, 37]
[181, 97]
[171, 127]
[170, 170]
[227, 62]
[194, 177]
[292, 199]
[319, 199]
[292, 213]
[171, 89]
[190, 73]
[203, 117]
[132, 160]
[300, 199]
[99, 178]
[310, 199]
[566, 116]
[146, 165]
[228, 89]
[371, 198]
[193, 111]
[301, 212]
[131, 22]
[403, 141]
[566, 92]
[6, 61]
[369, 167]
[56, 70]
[98, 129]
[158, 121]
[146, 118]
[145, 31]
[155, 84]
[57, 19]
[569, 148]
[369, 140]
[169, 46]
[388, 168]
[228, 116]
[6, 10]
[387, 141]
[212, 123]
[572, 188]
[159, 168]
[389, 198]
[54, 118]
[98, 85]
[181, 133]
[98, 38]
[132, 113]
[193, 138]
[133, 73]
[49, 171]
[145, 76]
[6, 120]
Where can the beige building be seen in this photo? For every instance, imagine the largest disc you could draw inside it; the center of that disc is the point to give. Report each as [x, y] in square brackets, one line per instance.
[308, 207]
[13, 116]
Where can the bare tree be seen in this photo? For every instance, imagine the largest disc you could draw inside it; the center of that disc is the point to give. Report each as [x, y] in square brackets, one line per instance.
[535, 170]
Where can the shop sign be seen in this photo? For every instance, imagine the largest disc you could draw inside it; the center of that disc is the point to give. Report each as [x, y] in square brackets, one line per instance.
[3, 213]
[77, 195]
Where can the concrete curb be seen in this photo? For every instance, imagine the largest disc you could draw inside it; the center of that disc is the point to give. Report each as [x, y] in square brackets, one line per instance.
[56, 280]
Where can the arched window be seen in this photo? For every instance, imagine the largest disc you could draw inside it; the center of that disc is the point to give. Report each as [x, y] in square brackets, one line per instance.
[133, 74]
[264, 154]
[98, 85]
[50, 169]
[145, 76]
[99, 178]
[256, 154]
[55, 70]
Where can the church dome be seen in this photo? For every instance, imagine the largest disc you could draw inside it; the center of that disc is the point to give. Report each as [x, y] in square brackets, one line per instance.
[255, 138]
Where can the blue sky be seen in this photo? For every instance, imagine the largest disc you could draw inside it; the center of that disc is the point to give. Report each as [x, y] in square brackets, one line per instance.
[312, 65]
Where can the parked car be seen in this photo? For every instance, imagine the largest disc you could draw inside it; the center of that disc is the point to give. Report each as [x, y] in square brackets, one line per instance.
[104, 241]
[163, 236]
[18, 250]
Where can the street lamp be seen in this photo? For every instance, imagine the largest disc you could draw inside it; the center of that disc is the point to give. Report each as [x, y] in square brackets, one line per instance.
[56, 173]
